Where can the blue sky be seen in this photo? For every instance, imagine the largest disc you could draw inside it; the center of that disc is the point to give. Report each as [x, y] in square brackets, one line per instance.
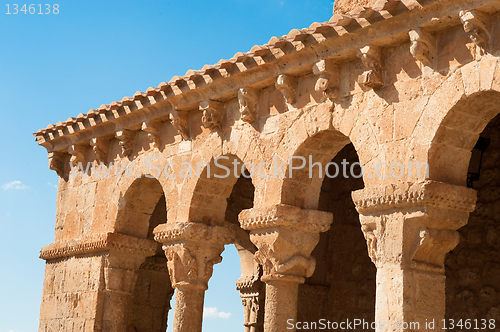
[92, 53]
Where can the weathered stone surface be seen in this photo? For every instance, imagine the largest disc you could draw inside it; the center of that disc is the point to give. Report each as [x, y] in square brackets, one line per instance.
[390, 85]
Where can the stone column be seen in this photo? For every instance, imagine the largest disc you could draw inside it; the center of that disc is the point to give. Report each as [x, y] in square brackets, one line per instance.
[285, 236]
[252, 293]
[191, 250]
[409, 228]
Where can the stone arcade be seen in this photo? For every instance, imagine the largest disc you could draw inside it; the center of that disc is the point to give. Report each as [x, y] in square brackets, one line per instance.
[410, 81]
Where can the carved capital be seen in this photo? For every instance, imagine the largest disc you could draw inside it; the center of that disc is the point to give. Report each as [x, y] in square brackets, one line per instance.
[153, 128]
[192, 249]
[328, 78]
[431, 247]
[100, 147]
[127, 141]
[287, 85]
[477, 26]
[413, 225]
[57, 162]
[371, 57]
[77, 153]
[212, 114]
[423, 46]
[285, 237]
[248, 101]
[180, 122]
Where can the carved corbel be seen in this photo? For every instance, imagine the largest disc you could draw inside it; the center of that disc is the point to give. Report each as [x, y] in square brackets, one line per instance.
[127, 140]
[56, 162]
[423, 46]
[287, 85]
[180, 122]
[212, 114]
[248, 101]
[371, 57]
[100, 147]
[431, 248]
[77, 154]
[328, 78]
[153, 128]
[373, 234]
[476, 25]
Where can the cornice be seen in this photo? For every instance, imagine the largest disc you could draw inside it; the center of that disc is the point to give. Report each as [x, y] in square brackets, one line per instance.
[99, 243]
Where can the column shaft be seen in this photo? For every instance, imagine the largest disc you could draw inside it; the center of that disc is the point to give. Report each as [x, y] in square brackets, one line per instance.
[188, 312]
[281, 305]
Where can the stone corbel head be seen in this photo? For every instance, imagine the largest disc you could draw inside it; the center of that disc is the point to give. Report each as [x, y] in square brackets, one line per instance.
[77, 153]
[127, 140]
[328, 78]
[248, 100]
[100, 147]
[371, 57]
[476, 26]
[423, 46]
[180, 122]
[287, 85]
[56, 162]
[153, 128]
[212, 114]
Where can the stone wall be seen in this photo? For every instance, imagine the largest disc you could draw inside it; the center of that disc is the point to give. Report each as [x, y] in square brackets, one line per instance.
[473, 267]
[71, 294]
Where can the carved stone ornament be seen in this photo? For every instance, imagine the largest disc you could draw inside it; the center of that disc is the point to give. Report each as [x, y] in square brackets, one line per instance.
[287, 85]
[100, 147]
[431, 248]
[476, 26]
[423, 193]
[99, 243]
[212, 114]
[77, 154]
[371, 57]
[153, 128]
[328, 78]
[373, 234]
[248, 100]
[423, 46]
[56, 162]
[283, 254]
[127, 141]
[180, 122]
[192, 249]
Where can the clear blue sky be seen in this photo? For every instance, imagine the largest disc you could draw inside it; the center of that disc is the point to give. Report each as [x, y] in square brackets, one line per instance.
[92, 53]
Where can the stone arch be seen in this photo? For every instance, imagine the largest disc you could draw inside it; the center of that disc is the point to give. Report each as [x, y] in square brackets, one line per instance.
[318, 135]
[136, 207]
[218, 201]
[212, 189]
[457, 112]
[473, 267]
